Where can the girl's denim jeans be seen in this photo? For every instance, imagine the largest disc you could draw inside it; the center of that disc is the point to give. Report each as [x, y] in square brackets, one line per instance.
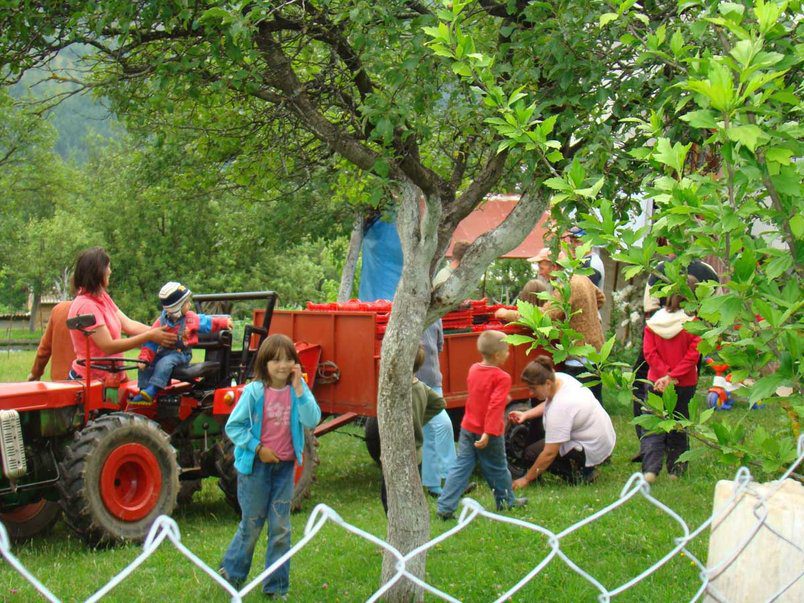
[265, 494]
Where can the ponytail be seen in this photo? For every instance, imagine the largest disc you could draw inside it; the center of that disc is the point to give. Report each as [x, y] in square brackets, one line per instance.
[539, 371]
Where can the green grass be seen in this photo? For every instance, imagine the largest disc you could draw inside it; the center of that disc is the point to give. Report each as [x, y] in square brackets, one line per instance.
[20, 333]
[478, 564]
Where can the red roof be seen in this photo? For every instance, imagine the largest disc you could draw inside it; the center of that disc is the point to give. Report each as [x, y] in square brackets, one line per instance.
[490, 214]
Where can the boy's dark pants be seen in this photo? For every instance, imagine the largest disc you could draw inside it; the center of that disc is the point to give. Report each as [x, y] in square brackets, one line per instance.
[654, 446]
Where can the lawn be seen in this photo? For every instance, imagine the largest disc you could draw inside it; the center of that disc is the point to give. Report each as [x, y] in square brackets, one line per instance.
[478, 564]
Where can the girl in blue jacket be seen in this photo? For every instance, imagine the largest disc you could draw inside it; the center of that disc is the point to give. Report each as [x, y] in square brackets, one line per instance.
[267, 429]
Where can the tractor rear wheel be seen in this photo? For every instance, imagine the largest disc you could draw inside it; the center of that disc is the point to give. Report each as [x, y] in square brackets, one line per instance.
[118, 475]
[27, 521]
[303, 477]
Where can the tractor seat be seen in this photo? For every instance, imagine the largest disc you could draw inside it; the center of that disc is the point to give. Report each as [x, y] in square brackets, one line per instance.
[197, 370]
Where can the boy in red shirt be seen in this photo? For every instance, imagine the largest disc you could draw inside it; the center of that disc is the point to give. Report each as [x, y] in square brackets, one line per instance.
[482, 438]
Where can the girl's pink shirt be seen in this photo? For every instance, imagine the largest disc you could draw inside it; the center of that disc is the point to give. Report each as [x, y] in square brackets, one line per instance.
[106, 314]
[276, 433]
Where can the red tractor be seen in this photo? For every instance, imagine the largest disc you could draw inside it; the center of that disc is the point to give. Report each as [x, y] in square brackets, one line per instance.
[79, 448]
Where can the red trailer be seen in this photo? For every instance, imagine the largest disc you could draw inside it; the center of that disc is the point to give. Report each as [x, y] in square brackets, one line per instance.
[340, 351]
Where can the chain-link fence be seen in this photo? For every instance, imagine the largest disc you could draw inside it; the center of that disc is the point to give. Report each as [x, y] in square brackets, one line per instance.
[750, 521]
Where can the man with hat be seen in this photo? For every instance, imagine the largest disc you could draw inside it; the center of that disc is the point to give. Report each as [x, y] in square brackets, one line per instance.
[158, 363]
[585, 300]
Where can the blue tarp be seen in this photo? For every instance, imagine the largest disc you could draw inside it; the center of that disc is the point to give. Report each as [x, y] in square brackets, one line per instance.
[382, 262]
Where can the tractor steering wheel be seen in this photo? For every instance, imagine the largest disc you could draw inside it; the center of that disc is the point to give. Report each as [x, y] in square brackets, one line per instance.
[111, 364]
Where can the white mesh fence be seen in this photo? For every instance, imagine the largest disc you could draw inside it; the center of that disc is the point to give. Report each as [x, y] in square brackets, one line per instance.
[744, 491]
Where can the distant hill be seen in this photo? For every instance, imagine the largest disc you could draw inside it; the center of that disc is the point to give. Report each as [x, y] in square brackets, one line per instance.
[77, 118]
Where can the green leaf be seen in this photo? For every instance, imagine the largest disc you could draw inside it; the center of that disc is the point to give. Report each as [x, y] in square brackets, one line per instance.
[744, 266]
[606, 349]
[731, 9]
[515, 339]
[576, 173]
[557, 184]
[748, 135]
[765, 387]
[548, 124]
[607, 18]
[676, 43]
[744, 51]
[768, 14]
[797, 226]
[779, 155]
[672, 156]
[702, 118]
[721, 433]
[592, 191]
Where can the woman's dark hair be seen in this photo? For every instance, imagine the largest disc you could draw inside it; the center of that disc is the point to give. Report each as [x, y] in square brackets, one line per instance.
[539, 371]
[90, 268]
[674, 302]
[275, 347]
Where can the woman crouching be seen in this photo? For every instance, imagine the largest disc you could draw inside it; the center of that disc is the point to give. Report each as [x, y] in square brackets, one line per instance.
[579, 435]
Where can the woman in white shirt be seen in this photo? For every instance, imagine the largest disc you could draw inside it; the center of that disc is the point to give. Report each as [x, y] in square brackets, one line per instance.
[579, 435]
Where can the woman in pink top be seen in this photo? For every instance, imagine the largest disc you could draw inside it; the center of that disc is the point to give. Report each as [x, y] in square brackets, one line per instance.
[90, 281]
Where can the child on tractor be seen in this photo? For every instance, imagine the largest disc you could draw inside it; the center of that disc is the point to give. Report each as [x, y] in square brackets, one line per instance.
[159, 362]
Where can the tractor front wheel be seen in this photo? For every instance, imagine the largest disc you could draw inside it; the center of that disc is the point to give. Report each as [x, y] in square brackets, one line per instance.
[27, 521]
[303, 477]
[118, 475]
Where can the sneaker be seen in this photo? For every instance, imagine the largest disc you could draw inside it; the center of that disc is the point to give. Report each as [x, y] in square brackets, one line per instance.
[276, 596]
[650, 477]
[514, 504]
[519, 502]
[434, 492]
[225, 575]
[445, 515]
[470, 488]
[145, 396]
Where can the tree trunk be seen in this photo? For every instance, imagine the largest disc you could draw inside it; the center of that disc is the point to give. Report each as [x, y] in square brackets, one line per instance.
[36, 297]
[408, 513]
[348, 274]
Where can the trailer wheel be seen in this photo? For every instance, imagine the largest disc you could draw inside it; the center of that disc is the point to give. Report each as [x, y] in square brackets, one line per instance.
[118, 475]
[27, 521]
[305, 474]
[372, 434]
[303, 477]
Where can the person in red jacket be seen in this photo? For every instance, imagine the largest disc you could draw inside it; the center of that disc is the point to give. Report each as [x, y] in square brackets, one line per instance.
[176, 316]
[672, 356]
